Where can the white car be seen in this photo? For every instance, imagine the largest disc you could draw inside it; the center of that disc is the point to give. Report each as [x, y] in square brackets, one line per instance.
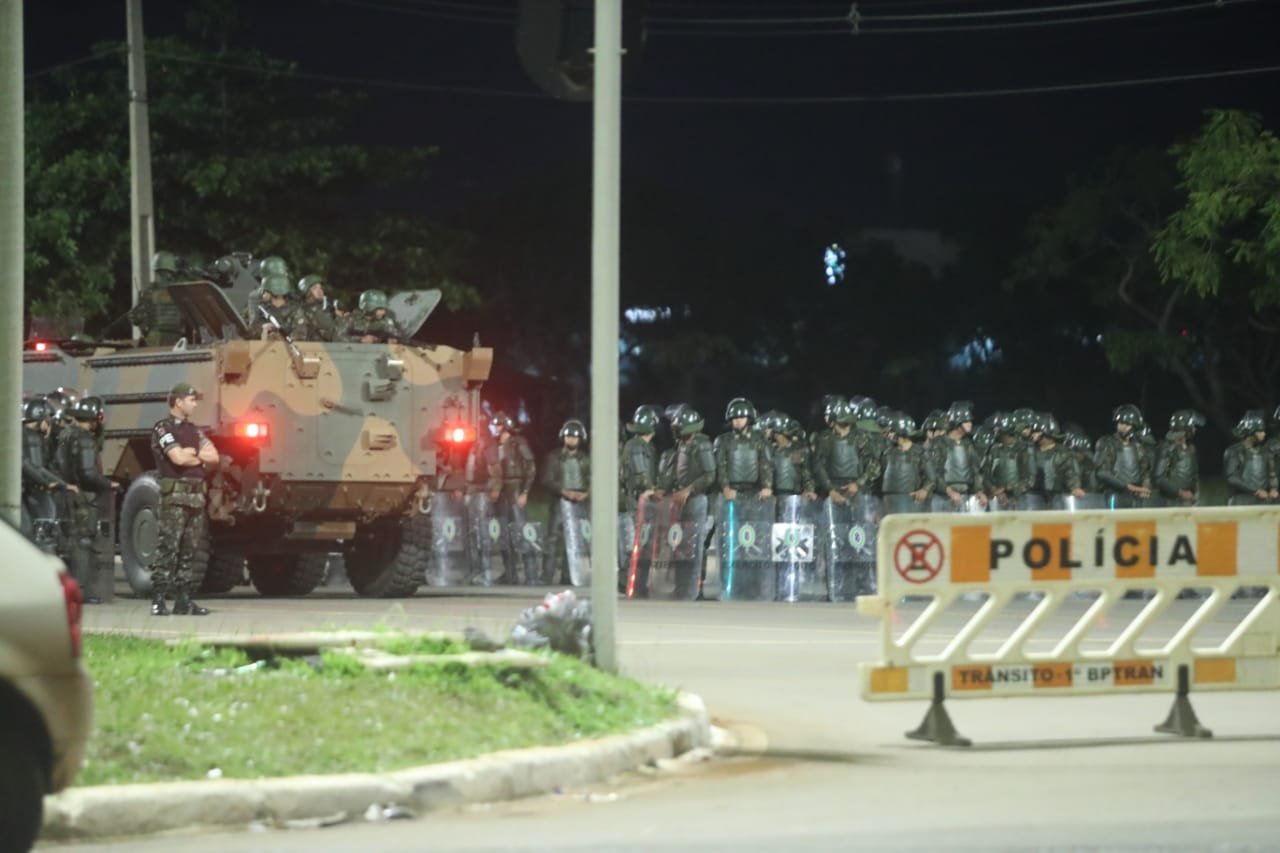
[46, 697]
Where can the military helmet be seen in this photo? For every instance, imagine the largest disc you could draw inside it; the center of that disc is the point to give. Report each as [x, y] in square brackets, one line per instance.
[959, 412]
[304, 283]
[1021, 418]
[276, 285]
[1127, 413]
[829, 404]
[687, 421]
[1250, 422]
[1004, 422]
[1185, 420]
[1078, 442]
[272, 265]
[886, 416]
[372, 300]
[501, 421]
[88, 409]
[1046, 424]
[791, 428]
[164, 262]
[36, 409]
[845, 414]
[60, 401]
[573, 428]
[740, 407]
[644, 421]
[904, 425]
[771, 421]
[866, 409]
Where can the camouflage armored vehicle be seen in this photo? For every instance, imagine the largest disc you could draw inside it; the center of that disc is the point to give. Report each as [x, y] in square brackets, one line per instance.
[326, 447]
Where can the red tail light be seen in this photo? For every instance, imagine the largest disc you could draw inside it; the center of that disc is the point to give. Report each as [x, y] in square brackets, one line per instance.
[253, 431]
[40, 346]
[75, 607]
[459, 435]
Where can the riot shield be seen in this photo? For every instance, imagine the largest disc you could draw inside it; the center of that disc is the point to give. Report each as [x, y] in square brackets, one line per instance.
[637, 547]
[449, 564]
[486, 540]
[528, 547]
[44, 520]
[941, 503]
[676, 572]
[576, 520]
[793, 543]
[851, 530]
[104, 547]
[1071, 503]
[746, 560]
[896, 504]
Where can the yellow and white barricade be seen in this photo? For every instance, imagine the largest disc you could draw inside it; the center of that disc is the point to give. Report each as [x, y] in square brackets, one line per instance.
[1010, 604]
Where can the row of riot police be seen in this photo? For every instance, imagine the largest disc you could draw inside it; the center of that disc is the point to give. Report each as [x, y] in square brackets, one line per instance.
[68, 502]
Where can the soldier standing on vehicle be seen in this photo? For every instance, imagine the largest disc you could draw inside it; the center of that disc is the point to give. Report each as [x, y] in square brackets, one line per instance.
[80, 464]
[792, 466]
[843, 462]
[155, 315]
[1248, 467]
[638, 459]
[1123, 462]
[955, 459]
[908, 480]
[288, 316]
[181, 452]
[374, 322]
[567, 477]
[315, 307]
[268, 266]
[1177, 471]
[38, 478]
[743, 463]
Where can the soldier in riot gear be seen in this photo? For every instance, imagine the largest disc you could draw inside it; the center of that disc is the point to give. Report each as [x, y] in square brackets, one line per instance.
[289, 318]
[1248, 467]
[80, 464]
[315, 307]
[1056, 472]
[638, 462]
[181, 452]
[792, 466]
[934, 426]
[693, 462]
[373, 322]
[511, 469]
[1007, 466]
[908, 479]
[743, 464]
[1122, 461]
[1177, 469]
[830, 403]
[844, 462]
[1082, 449]
[38, 478]
[954, 460]
[1273, 443]
[567, 477]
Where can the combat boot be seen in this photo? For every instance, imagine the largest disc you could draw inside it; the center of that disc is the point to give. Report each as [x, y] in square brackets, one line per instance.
[158, 607]
[184, 606]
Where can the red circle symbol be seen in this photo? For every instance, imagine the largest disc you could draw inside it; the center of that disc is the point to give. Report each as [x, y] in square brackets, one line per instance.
[918, 556]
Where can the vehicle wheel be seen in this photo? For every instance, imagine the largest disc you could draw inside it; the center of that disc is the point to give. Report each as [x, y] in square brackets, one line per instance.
[390, 562]
[23, 783]
[139, 531]
[225, 572]
[287, 574]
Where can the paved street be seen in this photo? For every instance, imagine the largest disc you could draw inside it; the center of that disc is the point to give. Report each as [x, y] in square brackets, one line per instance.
[818, 768]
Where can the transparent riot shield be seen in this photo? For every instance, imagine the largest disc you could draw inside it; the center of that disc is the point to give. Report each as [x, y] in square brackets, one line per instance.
[44, 521]
[104, 547]
[575, 518]
[1071, 503]
[746, 561]
[851, 530]
[528, 547]
[449, 564]
[486, 540]
[676, 572]
[897, 504]
[793, 546]
[637, 547]
[941, 503]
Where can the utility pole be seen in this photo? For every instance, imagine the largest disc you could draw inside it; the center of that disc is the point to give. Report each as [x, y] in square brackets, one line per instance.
[604, 330]
[12, 237]
[141, 210]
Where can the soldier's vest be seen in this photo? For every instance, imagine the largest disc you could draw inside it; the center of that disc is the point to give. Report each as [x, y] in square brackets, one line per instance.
[1127, 462]
[902, 470]
[744, 461]
[572, 475]
[510, 461]
[475, 470]
[957, 465]
[1182, 470]
[32, 447]
[639, 462]
[1003, 469]
[844, 461]
[693, 459]
[1046, 479]
[1088, 472]
[786, 470]
[1254, 470]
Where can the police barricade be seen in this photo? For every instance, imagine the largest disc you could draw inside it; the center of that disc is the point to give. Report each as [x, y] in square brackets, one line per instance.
[676, 571]
[636, 548]
[528, 546]
[1043, 610]
[486, 540]
[575, 520]
[793, 547]
[745, 527]
[449, 564]
[850, 534]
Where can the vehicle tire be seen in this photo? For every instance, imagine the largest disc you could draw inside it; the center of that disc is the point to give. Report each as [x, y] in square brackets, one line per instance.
[225, 572]
[287, 574]
[139, 529]
[389, 562]
[23, 783]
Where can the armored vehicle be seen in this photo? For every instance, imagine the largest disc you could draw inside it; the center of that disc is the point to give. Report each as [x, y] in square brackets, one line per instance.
[326, 447]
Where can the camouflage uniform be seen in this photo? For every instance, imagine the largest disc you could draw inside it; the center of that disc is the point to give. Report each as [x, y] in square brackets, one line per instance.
[907, 476]
[954, 462]
[320, 325]
[155, 315]
[1177, 469]
[1057, 474]
[792, 465]
[638, 460]
[743, 462]
[182, 547]
[1248, 466]
[510, 467]
[382, 328]
[81, 465]
[566, 470]
[844, 459]
[291, 317]
[1007, 466]
[1123, 461]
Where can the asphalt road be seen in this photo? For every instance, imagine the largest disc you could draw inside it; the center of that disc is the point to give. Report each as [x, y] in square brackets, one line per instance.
[817, 768]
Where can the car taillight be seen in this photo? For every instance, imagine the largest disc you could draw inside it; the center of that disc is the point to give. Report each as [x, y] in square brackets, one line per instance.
[40, 346]
[75, 607]
[253, 431]
[459, 436]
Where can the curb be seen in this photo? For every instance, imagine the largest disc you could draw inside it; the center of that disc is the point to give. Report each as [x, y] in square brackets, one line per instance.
[108, 811]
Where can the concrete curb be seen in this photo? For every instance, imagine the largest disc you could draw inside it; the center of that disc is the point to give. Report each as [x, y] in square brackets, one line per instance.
[109, 811]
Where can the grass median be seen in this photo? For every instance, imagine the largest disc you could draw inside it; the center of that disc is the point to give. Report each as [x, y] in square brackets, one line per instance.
[168, 713]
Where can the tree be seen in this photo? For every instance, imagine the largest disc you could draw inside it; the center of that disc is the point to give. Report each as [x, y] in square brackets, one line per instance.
[246, 156]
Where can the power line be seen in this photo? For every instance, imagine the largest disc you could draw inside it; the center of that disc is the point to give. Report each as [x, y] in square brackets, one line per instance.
[425, 12]
[73, 63]
[1011, 13]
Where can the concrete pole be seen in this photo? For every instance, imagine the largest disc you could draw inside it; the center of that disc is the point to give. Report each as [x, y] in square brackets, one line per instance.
[604, 331]
[141, 212]
[12, 238]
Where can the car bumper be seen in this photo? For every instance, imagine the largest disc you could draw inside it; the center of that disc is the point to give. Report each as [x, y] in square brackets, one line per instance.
[66, 703]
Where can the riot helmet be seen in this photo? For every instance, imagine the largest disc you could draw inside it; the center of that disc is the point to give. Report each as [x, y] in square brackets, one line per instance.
[904, 426]
[687, 422]
[934, 421]
[501, 421]
[829, 404]
[644, 421]
[865, 410]
[1047, 425]
[771, 420]
[60, 401]
[1021, 419]
[88, 409]
[960, 412]
[372, 300]
[1127, 413]
[36, 409]
[1078, 442]
[573, 428]
[740, 407]
[791, 428]
[276, 285]
[844, 414]
[1250, 422]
